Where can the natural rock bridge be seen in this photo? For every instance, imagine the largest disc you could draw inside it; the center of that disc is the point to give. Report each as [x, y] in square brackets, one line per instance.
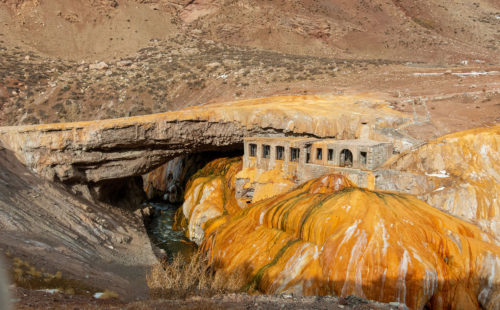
[96, 151]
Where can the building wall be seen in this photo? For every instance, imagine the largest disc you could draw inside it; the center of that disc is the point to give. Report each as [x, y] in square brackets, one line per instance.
[371, 178]
[376, 155]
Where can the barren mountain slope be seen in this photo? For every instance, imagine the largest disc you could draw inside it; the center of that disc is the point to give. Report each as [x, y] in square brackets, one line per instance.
[429, 30]
[53, 237]
[89, 29]
[163, 55]
[185, 71]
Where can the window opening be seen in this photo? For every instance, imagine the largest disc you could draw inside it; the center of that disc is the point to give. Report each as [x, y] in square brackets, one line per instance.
[319, 154]
[280, 153]
[253, 150]
[363, 157]
[345, 158]
[266, 151]
[294, 154]
[330, 154]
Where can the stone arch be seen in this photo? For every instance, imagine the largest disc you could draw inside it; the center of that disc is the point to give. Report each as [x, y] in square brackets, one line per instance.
[346, 158]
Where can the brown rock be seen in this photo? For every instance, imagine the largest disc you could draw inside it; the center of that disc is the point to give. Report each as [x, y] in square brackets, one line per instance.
[95, 151]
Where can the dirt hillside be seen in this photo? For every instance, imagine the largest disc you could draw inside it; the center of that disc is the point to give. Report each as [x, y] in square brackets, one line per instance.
[83, 60]
[430, 30]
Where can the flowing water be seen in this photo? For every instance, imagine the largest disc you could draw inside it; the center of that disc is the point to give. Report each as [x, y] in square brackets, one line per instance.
[164, 236]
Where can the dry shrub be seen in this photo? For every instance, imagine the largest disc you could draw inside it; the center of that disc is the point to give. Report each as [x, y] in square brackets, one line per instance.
[180, 278]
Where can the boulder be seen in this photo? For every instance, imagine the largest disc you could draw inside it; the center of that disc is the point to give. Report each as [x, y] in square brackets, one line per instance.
[98, 66]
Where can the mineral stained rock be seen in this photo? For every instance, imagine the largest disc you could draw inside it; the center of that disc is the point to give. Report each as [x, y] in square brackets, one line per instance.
[256, 184]
[330, 237]
[468, 165]
[210, 194]
[96, 151]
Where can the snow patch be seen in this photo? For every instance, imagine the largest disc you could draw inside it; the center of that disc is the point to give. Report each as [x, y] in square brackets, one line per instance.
[50, 291]
[427, 73]
[441, 174]
[476, 73]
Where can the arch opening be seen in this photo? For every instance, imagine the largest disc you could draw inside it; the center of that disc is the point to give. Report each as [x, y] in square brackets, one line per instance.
[346, 159]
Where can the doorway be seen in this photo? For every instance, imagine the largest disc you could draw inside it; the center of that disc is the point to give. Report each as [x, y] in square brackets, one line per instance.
[345, 158]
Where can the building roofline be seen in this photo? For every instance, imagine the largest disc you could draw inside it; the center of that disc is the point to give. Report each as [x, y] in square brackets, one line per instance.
[357, 142]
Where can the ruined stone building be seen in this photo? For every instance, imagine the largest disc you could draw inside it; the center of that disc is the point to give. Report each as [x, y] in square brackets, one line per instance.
[308, 158]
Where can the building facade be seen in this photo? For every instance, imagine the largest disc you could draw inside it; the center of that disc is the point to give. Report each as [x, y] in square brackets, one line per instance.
[307, 158]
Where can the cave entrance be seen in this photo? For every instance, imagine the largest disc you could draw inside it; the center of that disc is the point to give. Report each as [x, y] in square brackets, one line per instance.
[167, 182]
[345, 158]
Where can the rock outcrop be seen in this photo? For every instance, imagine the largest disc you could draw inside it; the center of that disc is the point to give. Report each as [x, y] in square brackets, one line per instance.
[255, 184]
[168, 181]
[330, 237]
[4, 288]
[467, 164]
[95, 151]
[43, 223]
[210, 194]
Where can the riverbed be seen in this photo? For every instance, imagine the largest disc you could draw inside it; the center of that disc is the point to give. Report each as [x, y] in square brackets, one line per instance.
[164, 236]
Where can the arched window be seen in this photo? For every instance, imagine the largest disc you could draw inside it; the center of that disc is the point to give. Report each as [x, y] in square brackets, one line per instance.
[345, 158]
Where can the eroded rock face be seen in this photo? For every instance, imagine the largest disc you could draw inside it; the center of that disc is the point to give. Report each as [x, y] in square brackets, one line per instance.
[468, 166]
[168, 180]
[4, 288]
[210, 194]
[255, 184]
[91, 152]
[51, 228]
[329, 237]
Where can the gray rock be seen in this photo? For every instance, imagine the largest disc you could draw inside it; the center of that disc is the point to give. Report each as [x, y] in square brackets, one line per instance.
[98, 66]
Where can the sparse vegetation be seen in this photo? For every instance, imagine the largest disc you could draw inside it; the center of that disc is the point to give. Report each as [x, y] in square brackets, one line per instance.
[180, 278]
[428, 24]
[27, 276]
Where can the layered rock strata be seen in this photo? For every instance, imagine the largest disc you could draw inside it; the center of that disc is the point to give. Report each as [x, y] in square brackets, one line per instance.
[95, 151]
[44, 224]
[210, 194]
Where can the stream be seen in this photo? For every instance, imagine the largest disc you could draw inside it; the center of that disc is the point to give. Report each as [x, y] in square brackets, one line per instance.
[162, 234]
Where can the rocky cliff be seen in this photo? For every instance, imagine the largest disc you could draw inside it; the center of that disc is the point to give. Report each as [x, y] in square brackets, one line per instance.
[46, 227]
[468, 166]
[95, 151]
[169, 180]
